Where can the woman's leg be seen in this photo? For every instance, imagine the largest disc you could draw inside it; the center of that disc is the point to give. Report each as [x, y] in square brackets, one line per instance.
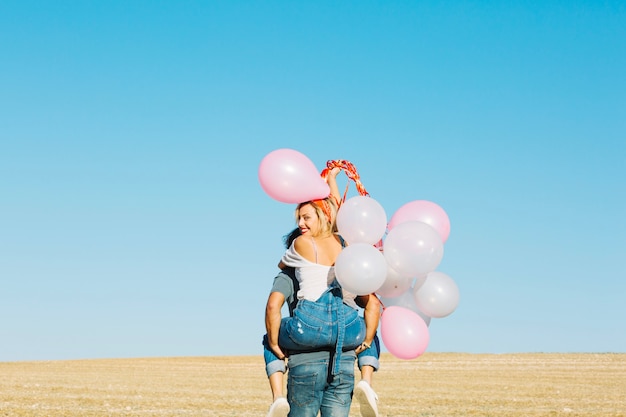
[276, 385]
[275, 369]
[368, 362]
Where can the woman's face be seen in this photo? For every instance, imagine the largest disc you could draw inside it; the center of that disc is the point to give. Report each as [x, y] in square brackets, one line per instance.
[308, 221]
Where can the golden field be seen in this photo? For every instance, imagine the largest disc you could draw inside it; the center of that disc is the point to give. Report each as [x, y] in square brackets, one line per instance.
[433, 385]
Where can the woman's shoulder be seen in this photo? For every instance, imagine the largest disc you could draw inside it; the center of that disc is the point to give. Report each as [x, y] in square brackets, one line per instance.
[293, 258]
[303, 246]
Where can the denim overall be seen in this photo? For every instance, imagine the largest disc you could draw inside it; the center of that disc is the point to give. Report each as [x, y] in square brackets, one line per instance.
[324, 324]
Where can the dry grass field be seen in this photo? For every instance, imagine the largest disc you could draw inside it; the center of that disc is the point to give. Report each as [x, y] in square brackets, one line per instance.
[434, 385]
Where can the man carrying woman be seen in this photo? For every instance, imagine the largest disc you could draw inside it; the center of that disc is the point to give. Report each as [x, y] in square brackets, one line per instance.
[325, 333]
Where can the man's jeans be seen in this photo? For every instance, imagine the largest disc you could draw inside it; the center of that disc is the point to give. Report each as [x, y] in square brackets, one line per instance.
[311, 388]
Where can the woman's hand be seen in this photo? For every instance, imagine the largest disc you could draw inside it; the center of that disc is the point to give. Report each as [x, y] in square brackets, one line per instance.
[332, 184]
[333, 172]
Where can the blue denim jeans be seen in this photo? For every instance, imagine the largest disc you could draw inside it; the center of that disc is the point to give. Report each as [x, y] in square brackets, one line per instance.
[311, 388]
[371, 355]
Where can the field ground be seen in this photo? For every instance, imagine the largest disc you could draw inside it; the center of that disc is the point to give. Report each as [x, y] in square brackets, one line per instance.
[433, 385]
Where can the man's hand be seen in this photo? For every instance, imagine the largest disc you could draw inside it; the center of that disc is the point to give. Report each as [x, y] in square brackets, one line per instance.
[278, 352]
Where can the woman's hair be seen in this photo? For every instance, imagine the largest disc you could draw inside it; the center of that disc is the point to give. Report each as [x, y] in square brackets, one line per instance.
[326, 210]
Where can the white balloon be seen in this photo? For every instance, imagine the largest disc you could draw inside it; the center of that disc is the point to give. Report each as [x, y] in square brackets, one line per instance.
[419, 281]
[413, 248]
[406, 300]
[438, 296]
[360, 268]
[395, 284]
[361, 219]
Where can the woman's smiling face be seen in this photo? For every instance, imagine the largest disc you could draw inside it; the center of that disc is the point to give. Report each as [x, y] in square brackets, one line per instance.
[308, 220]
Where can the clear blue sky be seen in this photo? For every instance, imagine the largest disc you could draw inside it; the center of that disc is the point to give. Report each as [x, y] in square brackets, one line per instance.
[132, 222]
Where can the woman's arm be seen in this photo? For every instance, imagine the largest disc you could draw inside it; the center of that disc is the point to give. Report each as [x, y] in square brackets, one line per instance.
[332, 184]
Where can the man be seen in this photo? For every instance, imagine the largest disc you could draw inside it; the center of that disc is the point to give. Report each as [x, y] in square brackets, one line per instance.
[315, 382]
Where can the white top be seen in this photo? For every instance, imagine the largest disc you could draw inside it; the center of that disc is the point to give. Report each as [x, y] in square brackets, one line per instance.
[314, 278]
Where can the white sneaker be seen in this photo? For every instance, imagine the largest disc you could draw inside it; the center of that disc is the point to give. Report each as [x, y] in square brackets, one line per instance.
[367, 399]
[279, 408]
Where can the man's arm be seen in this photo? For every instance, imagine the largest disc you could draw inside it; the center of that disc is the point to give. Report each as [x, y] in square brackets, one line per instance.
[371, 315]
[273, 317]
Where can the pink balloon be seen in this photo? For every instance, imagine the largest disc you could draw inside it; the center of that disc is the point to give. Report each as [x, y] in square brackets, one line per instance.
[290, 177]
[423, 211]
[404, 333]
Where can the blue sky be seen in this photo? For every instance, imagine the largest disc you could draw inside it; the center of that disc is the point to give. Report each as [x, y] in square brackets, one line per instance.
[132, 220]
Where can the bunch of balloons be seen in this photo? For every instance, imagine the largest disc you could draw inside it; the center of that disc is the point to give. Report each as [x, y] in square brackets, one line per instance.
[402, 271]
